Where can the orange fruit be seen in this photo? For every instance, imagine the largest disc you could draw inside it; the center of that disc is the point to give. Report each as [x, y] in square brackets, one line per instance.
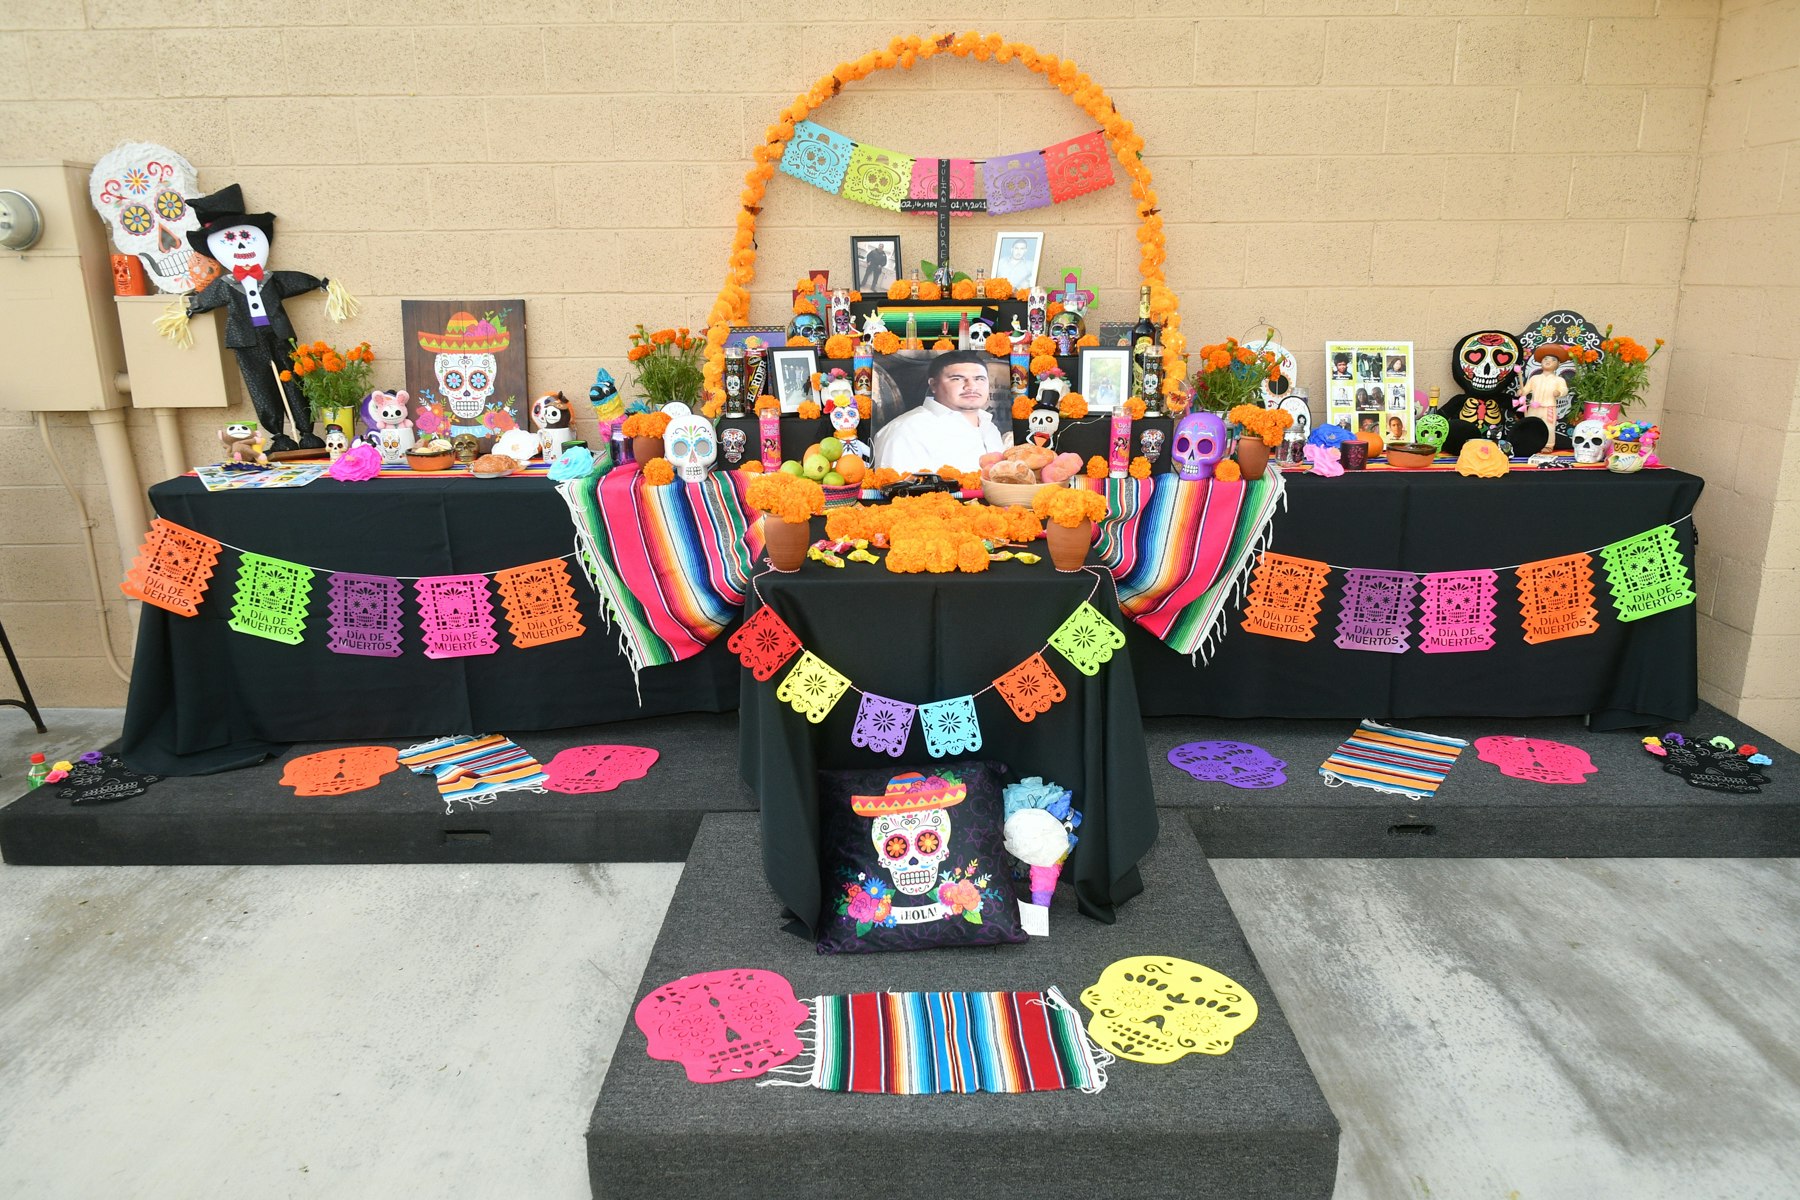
[851, 468]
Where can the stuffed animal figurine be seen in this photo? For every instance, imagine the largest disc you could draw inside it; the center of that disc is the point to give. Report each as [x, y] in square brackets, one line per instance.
[242, 445]
[550, 414]
[1485, 365]
[257, 330]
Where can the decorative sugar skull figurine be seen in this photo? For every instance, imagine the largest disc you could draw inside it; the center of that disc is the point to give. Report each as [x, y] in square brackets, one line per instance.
[1432, 430]
[335, 441]
[1589, 440]
[910, 827]
[810, 326]
[550, 413]
[723, 1025]
[1053, 385]
[1150, 444]
[141, 190]
[980, 330]
[1044, 421]
[690, 442]
[1199, 445]
[839, 397]
[732, 442]
[465, 366]
[1066, 328]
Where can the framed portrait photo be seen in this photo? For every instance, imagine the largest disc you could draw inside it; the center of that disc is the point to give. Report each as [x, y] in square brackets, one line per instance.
[1105, 377]
[1016, 257]
[874, 263]
[793, 369]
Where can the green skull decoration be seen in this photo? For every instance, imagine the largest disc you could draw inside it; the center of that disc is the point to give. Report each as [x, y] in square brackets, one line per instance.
[1432, 429]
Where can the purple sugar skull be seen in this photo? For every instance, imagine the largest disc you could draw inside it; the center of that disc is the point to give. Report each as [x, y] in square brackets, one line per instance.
[1238, 764]
[1199, 445]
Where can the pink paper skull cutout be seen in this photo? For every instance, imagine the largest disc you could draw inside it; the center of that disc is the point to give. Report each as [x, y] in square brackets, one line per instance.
[723, 1025]
[580, 770]
[1536, 759]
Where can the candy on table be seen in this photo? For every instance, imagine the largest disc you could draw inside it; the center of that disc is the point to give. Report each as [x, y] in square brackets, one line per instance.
[862, 556]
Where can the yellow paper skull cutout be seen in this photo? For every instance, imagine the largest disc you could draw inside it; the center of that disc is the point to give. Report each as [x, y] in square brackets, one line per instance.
[1151, 1009]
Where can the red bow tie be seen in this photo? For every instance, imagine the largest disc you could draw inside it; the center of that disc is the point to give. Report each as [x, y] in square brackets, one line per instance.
[255, 273]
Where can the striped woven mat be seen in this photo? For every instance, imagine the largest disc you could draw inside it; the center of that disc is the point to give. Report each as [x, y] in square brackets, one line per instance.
[1387, 759]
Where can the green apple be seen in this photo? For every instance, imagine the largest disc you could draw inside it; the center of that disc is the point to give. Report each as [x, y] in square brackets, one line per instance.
[832, 479]
[830, 447]
[791, 467]
[815, 466]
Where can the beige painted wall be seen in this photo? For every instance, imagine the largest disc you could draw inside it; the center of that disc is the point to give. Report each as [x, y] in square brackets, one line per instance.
[1407, 168]
[1733, 380]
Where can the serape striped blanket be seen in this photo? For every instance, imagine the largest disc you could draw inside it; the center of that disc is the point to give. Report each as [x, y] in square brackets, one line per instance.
[1392, 760]
[926, 1043]
[1180, 550]
[473, 769]
[672, 563]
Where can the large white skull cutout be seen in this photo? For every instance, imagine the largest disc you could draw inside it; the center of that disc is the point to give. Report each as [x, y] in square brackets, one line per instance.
[141, 190]
[690, 443]
[1589, 440]
[465, 381]
[913, 845]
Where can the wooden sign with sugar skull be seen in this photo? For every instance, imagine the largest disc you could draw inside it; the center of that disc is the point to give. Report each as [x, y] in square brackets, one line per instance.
[465, 366]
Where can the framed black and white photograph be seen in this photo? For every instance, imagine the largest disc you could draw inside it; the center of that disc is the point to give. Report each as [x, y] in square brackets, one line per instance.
[874, 264]
[1016, 257]
[1105, 377]
[793, 369]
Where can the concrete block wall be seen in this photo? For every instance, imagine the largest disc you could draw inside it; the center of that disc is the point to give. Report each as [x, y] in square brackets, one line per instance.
[1734, 384]
[1404, 168]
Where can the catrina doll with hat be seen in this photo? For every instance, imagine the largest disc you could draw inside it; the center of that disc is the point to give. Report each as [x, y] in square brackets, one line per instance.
[257, 330]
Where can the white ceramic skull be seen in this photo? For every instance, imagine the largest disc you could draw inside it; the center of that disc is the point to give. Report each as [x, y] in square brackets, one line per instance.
[141, 190]
[913, 845]
[465, 381]
[689, 442]
[1042, 424]
[1589, 440]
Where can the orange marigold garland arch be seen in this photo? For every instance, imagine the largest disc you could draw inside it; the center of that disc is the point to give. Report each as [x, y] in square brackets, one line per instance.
[733, 304]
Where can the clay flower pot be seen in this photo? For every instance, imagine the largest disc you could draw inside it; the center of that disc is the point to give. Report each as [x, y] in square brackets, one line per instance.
[1252, 456]
[1069, 547]
[785, 543]
[643, 449]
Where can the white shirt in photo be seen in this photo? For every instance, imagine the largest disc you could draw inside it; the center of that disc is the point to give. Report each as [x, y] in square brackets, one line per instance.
[931, 435]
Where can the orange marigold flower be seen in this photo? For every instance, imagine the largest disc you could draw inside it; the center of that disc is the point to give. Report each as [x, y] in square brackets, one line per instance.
[1088, 339]
[1096, 468]
[662, 337]
[998, 344]
[1066, 506]
[1134, 408]
[882, 477]
[797, 340]
[287, 377]
[1042, 363]
[840, 345]
[885, 342]
[1073, 406]
[333, 363]
[659, 471]
[855, 297]
[806, 286]
[1054, 311]
[998, 288]
[929, 290]
[1139, 468]
[1227, 471]
[1021, 408]
[803, 305]
[900, 289]
[1042, 345]
[1246, 355]
[948, 471]
[751, 466]
[808, 411]
[639, 353]
[765, 402]
[963, 289]
[943, 344]
[713, 409]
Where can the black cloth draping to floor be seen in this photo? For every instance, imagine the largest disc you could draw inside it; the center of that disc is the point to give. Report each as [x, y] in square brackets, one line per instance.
[204, 698]
[924, 638]
[1626, 674]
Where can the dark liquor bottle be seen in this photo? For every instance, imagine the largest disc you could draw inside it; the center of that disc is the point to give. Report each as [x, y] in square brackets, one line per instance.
[1143, 336]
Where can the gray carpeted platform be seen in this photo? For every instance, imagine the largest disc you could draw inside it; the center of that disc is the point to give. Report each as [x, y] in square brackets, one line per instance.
[1630, 808]
[248, 817]
[1249, 1124]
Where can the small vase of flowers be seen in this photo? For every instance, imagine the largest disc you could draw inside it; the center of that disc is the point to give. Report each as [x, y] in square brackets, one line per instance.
[667, 362]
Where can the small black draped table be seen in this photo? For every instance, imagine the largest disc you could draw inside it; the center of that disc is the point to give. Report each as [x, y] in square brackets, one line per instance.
[923, 638]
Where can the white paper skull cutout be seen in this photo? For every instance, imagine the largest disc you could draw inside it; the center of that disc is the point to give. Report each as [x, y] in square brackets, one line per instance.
[141, 190]
[689, 442]
[465, 381]
[1589, 440]
[913, 845]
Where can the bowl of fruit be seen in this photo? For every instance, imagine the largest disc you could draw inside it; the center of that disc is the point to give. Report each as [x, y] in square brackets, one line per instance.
[831, 464]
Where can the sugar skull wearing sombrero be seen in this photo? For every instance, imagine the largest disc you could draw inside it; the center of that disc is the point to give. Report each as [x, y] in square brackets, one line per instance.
[465, 366]
[911, 827]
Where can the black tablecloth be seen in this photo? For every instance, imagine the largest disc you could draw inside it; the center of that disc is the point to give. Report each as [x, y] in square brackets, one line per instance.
[204, 698]
[921, 638]
[1626, 674]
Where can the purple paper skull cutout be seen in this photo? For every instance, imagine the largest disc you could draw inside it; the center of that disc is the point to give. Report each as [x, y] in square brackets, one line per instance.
[1236, 763]
[1199, 444]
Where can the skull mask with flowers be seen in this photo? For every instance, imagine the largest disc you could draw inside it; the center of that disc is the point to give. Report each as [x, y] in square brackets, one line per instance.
[690, 443]
[141, 191]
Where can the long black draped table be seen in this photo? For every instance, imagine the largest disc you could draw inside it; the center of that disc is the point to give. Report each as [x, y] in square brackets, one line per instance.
[923, 638]
[1624, 675]
[204, 698]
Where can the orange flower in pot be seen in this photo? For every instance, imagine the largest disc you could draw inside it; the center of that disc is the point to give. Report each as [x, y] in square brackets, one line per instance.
[646, 433]
[787, 503]
[1262, 428]
[1069, 514]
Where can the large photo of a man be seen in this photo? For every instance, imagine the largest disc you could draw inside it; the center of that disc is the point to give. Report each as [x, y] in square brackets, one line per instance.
[942, 415]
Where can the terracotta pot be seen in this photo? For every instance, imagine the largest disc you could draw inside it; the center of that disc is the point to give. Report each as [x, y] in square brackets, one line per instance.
[643, 449]
[785, 543]
[1252, 456]
[1069, 547]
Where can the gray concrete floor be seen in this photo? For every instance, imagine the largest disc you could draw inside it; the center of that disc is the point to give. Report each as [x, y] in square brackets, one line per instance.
[1504, 1029]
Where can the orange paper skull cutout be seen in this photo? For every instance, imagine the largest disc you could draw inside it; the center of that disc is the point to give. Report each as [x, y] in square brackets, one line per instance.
[335, 772]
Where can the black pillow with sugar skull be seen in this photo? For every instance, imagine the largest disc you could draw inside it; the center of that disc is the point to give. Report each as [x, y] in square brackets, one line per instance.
[915, 857]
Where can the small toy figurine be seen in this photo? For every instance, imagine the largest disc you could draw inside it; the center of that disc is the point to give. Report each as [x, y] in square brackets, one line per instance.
[335, 441]
[604, 396]
[242, 443]
[550, 413]
[390, 429]
[256, 328]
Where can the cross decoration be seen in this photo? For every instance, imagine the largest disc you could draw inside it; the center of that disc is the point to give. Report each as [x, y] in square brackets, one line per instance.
[1073, 297]
[942, 203]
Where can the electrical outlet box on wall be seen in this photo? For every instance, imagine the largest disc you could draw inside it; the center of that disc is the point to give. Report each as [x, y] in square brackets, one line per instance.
[62, 350]
[163, 375]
